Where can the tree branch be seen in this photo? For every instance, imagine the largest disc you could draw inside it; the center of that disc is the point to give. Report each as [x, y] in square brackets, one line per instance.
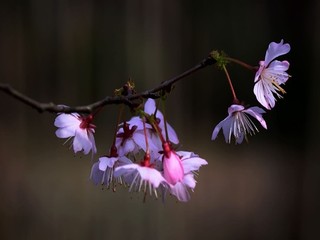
[128, 100]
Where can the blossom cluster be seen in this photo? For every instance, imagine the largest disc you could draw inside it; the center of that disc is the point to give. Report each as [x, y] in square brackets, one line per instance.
[143, 155]
[159, 168]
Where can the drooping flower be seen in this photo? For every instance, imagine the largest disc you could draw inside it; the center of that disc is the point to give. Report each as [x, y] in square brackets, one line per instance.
[79, 127]
[271, 75]
[102, 172]
[190, 163]
[141, 177]
[130, 136]
[239, 124]
[128, 139]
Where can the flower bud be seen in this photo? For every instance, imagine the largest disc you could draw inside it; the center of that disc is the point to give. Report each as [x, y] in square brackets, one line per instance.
[172, 167]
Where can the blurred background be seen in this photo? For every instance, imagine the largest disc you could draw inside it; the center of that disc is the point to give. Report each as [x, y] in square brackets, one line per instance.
[77, 52]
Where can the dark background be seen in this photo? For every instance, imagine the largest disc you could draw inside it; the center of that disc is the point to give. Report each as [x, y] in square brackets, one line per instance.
[77, 52]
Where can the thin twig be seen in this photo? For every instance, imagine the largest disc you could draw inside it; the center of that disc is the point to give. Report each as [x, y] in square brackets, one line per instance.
[128, 100]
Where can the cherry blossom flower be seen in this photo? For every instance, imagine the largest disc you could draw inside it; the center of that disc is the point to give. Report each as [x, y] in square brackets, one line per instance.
[141, 177]
[271, 75]
[130, 136]
[102, 172]
[239, 124]
[128, 139]
[131, 139]
[190, 163]
[79, 127]
[178, 170]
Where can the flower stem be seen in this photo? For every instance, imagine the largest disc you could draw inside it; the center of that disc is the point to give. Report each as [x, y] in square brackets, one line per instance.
[163, 105]
[145, 134]
[243, 64]
[235, 99]
[154, 124]
[117, 125]
[146, 160]
[157, 129]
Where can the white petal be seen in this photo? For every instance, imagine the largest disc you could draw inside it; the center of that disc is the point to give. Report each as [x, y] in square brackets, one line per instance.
[106, 162]
[93, 143]
[65, 120]
[193, 164]
[185, 155]
[189, 181]
[66, 132]
[124, 170]
[81, 141]
[180, 191]
[96, 175]
[151, 175]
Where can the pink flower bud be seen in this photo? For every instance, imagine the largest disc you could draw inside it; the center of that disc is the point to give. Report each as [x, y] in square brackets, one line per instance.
[172, 166]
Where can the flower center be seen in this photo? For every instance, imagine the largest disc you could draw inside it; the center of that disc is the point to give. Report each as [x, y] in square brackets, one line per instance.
[127, 132]
[146, 161]
[86, 122]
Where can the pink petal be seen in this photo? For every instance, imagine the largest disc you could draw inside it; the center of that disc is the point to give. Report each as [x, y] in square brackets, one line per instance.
[150, 106]
[225, 124]
[259, 72]
[140, 140]
[275, 50]
[129, 147]
[279, 66]
[235, 108]
[216, 130]
[173, 137]
[96, 175]
[172, 168]
[261, 91]
[137, 122]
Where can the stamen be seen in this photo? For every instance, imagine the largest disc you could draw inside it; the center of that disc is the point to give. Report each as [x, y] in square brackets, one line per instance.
[133, 181]
[68, 139]
[278, 86]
